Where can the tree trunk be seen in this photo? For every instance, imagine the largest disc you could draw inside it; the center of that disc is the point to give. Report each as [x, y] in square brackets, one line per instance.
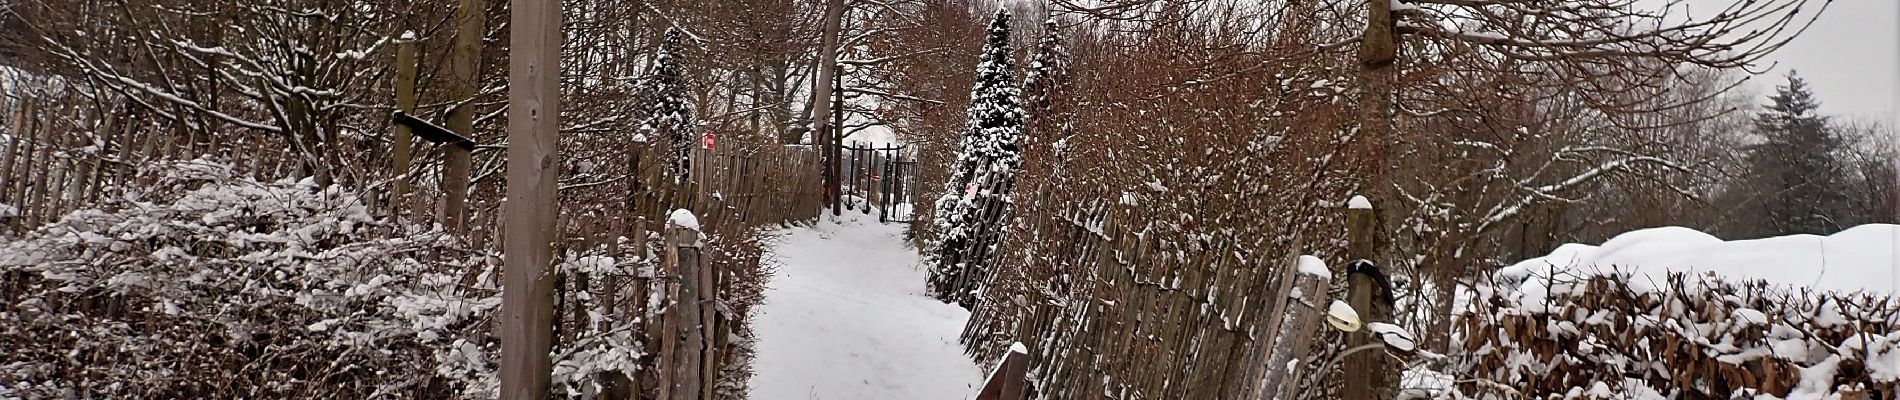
[823, 131]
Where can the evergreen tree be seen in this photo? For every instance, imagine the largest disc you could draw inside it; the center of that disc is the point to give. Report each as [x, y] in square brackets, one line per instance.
[977, 187]
[1046, 78]
[669, 113]
[1047, 74]
[1796, 163]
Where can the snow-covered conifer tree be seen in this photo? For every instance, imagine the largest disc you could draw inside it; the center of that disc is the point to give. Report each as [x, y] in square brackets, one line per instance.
[1045, 77]
[1046, 120]
[978, 183]
[669, 113]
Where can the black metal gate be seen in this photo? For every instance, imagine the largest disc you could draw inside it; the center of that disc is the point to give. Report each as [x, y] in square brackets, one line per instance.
[880, 179]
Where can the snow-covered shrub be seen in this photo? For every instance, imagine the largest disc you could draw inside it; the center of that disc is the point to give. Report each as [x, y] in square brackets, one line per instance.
[208, 285]
[1168, 202]
[1611, 335]
[601, 341]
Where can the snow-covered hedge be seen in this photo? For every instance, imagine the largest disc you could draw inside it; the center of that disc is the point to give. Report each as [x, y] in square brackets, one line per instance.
[1672, 313]
[207, 285]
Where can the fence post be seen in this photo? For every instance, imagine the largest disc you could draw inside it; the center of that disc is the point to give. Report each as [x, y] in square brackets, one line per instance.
[1298, 306]
[683, 244]
[1010, 379]
[1368, 374]
[465, 76]
[707, 300]
[405, 103]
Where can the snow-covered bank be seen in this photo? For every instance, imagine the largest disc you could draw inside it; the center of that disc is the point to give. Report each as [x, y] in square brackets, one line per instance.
[1858, 259]
[845, 317]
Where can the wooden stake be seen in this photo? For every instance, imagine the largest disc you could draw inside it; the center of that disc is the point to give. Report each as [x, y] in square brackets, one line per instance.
[405, 103]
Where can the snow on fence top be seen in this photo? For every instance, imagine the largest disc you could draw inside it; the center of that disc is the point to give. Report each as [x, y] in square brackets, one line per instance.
[683, 218]
[1314, 266]
[1359, 203]
[1858, 259]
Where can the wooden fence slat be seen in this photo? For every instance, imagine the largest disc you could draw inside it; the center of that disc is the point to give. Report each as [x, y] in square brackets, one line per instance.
[15, 145]
[34, 195]
[22, 183]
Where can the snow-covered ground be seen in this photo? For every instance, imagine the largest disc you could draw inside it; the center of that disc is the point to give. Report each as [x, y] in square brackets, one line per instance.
[845, 317]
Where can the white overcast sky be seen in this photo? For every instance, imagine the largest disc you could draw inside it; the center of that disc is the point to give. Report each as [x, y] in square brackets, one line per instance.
[1850, 57]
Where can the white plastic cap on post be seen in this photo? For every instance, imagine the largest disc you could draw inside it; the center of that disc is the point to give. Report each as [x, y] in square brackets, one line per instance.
[1343, 317]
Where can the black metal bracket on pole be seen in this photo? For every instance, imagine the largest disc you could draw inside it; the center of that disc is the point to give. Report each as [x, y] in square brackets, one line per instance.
[432, 132]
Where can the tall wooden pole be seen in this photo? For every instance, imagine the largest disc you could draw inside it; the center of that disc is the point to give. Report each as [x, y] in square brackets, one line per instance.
[534, 111]
[465, 67]
[1369, 375]
[834, 148]
[406, 103]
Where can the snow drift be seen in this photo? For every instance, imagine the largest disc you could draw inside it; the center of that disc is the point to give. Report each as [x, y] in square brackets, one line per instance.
[1858, 259]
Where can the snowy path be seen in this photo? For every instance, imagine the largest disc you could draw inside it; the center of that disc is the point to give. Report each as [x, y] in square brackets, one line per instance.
[845, 317]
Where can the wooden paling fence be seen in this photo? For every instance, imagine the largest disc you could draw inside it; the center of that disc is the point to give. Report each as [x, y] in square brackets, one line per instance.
[1146, 321]
[684, 285]
[764, 184]
[61, 152]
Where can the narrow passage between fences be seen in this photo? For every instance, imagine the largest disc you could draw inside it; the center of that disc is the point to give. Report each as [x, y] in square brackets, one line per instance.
[845, 317]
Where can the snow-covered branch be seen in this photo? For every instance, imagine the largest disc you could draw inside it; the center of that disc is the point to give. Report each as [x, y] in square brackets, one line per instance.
[1554, 191]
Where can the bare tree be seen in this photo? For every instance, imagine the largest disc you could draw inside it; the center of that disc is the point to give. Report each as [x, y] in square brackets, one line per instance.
[289, 70]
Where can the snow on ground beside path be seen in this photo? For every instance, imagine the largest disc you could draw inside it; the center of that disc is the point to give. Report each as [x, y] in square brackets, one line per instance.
[845, 317]
[1861, 258]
